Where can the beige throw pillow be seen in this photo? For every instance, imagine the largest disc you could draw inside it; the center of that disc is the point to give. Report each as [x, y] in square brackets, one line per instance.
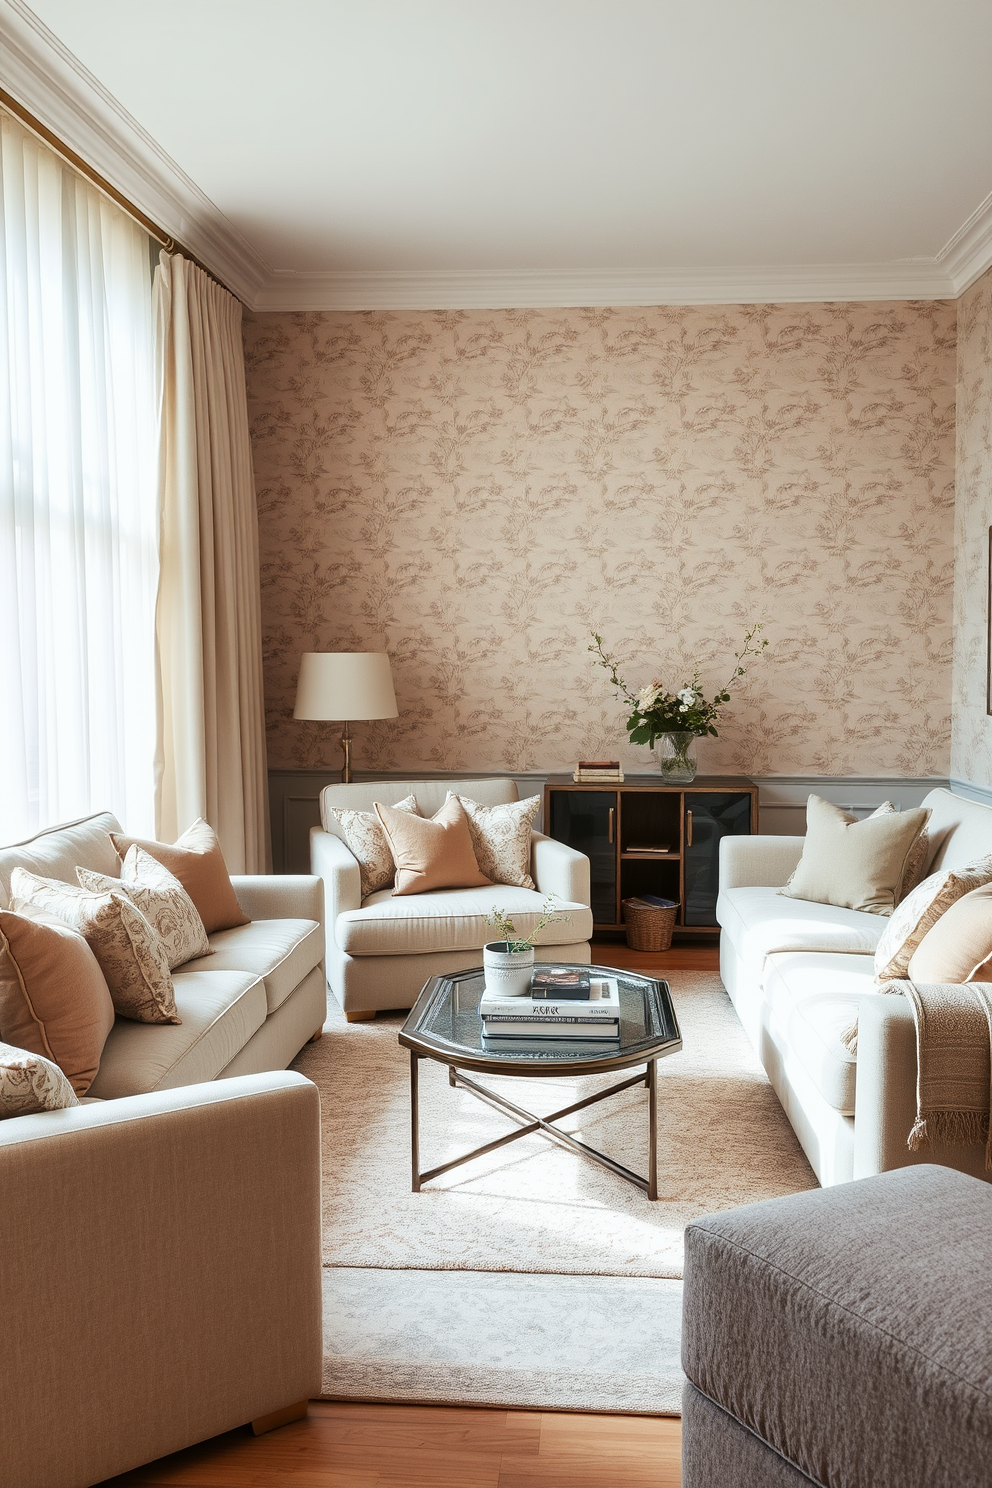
[131, 956]
[918, 854]
[31, 1083]
[54, 999]
[501, 838]
[920, 911]
[198, 863]
[854, 864]
[958, 948]
[434, 854]
[162, 900]
[368, 843]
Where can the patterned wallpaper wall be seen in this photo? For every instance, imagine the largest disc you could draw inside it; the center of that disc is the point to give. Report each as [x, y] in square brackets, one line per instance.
[971, 754]
[481, 489]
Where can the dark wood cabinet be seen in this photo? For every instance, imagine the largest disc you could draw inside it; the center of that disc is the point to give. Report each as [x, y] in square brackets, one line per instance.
[644, 837]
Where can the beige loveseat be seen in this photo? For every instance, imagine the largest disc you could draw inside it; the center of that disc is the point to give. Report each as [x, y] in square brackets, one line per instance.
[799, 974]
[160, 1246]
[382, 950]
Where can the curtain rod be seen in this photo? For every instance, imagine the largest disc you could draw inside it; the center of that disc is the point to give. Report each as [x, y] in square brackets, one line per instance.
[169, 243]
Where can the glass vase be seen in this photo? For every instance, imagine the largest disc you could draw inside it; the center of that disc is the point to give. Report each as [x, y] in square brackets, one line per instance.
[676, 757]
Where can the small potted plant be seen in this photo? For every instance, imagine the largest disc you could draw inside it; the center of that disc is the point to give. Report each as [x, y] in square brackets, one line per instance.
[509, 962]
[675, 719]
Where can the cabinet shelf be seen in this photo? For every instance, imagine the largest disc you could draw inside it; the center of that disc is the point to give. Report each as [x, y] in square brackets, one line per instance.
[599, 819]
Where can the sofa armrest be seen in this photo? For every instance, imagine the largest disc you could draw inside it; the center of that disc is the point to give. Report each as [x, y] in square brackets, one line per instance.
[558, 869]
[283, 896]
[161, 1273]
[339, 873]
[758, 862]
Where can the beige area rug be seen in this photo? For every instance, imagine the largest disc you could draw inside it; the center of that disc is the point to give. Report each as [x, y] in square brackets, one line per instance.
[534, 1207]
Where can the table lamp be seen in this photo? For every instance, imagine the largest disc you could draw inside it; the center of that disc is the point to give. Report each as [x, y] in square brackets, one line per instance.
[345, 685]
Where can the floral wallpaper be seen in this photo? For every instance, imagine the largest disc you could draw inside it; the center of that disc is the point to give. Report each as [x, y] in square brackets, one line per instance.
[971, 753]
[478, 490]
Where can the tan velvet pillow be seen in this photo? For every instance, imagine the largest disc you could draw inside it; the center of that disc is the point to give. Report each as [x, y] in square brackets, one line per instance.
[31, 1083]
[162, 900]
[54, 998]
[131, 956]
[854, 864]
[198, 863]
[958, 948]
[434, 854]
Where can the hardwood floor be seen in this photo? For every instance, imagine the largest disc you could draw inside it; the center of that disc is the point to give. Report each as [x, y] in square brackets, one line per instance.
[416, 1446]
[347, 1445]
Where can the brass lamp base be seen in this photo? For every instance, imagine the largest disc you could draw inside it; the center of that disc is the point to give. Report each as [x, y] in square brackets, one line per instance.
[346, 747]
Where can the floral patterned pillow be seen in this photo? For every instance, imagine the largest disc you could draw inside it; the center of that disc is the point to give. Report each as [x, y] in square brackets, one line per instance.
[921, 910]
[362, 831]
[131, 956]
[30, 1083]
[162, 900]
[501, 838]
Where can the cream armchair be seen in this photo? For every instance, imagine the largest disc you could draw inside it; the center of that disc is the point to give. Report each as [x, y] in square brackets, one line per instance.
[380, 952]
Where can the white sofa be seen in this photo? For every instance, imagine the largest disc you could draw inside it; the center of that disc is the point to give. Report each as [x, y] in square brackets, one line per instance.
[382, 950]
[248, 1007]
[160, 1243]
[799, 973]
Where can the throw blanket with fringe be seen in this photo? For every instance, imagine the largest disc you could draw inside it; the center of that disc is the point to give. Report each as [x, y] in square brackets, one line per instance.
[953, 1061]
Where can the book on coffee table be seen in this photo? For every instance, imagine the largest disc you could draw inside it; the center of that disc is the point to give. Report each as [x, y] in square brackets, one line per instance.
[549, 1017]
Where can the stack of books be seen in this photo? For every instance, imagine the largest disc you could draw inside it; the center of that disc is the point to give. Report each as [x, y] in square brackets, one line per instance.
[564, 1003]
[589, 772]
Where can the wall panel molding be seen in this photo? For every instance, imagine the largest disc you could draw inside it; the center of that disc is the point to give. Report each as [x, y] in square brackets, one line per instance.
[294, 799]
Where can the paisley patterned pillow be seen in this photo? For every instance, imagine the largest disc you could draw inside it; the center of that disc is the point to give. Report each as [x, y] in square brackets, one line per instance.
[131, 956]
[920, 910]
[30, 1083]
[501, 838]
[162, 900]
[362, 831]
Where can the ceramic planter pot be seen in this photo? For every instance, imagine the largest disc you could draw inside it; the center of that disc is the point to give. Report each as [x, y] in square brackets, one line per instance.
[507, 972]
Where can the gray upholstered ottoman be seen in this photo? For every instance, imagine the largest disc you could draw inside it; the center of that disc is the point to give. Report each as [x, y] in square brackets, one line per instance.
[842, 1338]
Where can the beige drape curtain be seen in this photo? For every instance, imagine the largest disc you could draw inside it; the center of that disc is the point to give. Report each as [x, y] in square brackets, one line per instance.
[210, 756]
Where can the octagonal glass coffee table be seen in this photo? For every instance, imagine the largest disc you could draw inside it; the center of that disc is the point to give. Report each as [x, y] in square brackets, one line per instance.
[445, 1025]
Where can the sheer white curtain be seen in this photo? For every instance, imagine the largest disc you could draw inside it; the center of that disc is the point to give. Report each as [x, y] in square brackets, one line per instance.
[78, 500]
[211, 740]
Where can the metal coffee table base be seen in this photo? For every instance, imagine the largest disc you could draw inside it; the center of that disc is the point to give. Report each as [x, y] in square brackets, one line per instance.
[543, 1124]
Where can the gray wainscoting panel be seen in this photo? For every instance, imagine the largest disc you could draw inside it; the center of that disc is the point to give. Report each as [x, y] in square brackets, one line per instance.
[294, 797]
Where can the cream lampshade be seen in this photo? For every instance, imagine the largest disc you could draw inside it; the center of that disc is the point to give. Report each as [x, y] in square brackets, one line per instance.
[343, 686]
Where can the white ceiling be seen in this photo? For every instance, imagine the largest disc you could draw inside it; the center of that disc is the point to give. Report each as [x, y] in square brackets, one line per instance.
[437, 142]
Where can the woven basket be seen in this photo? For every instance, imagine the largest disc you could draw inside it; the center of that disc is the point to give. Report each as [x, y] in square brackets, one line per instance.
[648, 929]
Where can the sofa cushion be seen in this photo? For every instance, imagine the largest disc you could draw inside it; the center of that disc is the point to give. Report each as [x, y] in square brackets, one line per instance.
[450, 920]
[759, 922]
[812, 999]
[849, 1328]
[197, 861]
[30, 1083]
[58, 852]
[281, 952]
[162, 900]
[220, 1012]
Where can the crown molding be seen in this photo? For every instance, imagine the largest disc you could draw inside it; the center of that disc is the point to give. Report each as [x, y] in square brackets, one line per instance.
[52, 84]
[967, 255]
[49, 81]
[916, 279]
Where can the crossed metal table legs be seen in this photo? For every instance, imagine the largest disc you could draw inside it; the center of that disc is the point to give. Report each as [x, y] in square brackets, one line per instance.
[543, 1124]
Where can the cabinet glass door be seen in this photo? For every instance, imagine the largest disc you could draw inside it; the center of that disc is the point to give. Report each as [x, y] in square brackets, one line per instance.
[587, 821]
[708, 818]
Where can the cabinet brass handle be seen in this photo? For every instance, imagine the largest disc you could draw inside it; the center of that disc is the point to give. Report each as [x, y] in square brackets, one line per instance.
[688, 829]
[610, 827]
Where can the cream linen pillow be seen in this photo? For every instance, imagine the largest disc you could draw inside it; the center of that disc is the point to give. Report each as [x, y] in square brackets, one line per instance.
[501, 838]
[854, 864]
[362, 831]
[920, 911]
[434, 854]
[54, 999]
[958, 948]
[30, 1083]
[162, 900]
[131, 956]
[198, 863]
[918, 854]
